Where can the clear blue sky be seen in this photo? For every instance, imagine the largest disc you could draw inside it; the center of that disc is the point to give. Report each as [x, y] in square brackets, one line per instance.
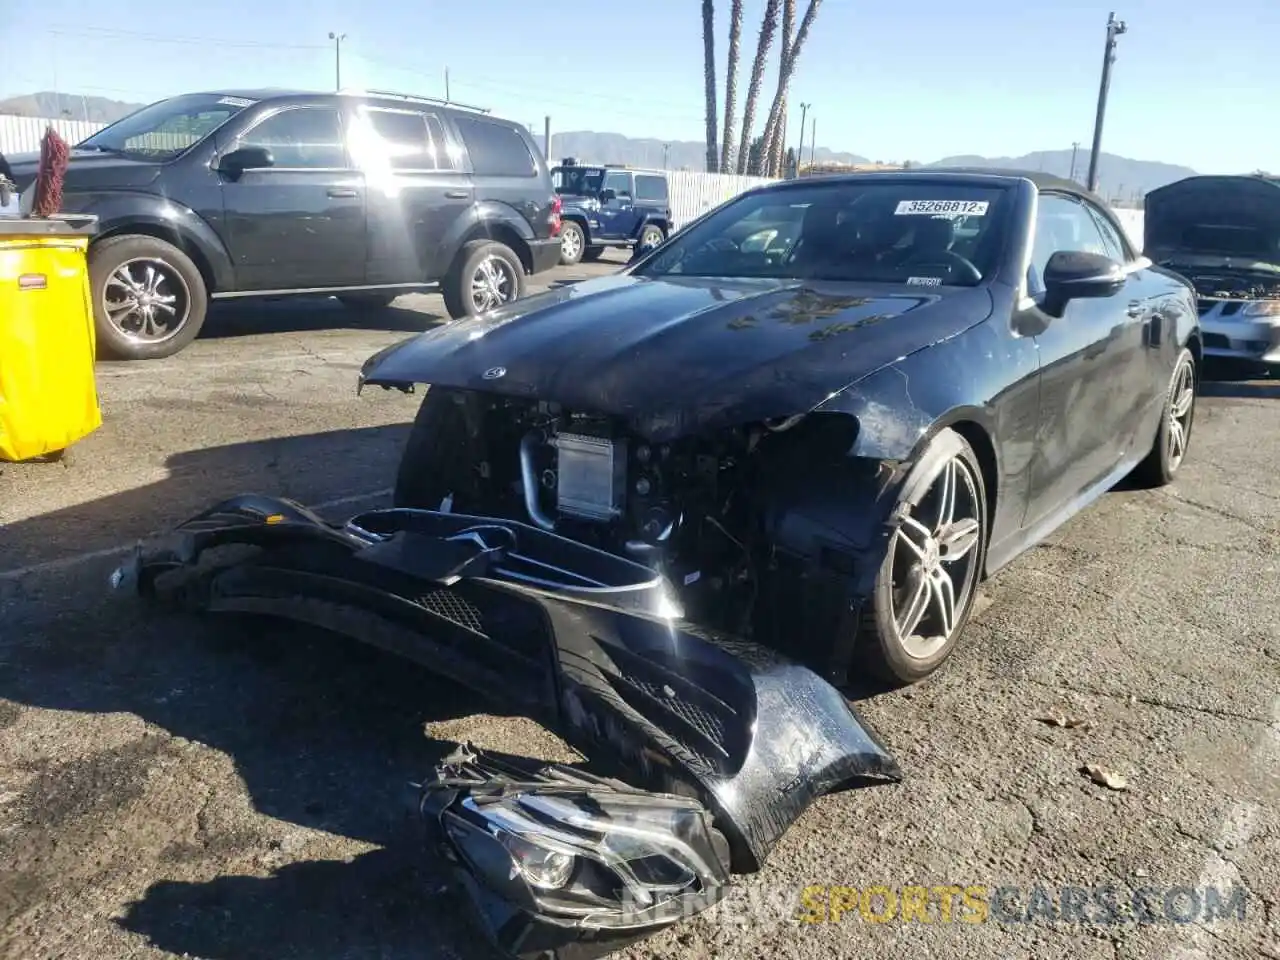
[1195, 83]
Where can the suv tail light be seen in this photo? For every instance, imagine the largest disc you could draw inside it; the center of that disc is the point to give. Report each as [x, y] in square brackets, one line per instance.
[554, 219]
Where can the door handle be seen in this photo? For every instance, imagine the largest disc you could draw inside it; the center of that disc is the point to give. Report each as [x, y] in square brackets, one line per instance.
[455, 194]
[342, 193]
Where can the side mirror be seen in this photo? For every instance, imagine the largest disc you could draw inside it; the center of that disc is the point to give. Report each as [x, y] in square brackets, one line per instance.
[246, 158]
[608, 194]
[1072, 274]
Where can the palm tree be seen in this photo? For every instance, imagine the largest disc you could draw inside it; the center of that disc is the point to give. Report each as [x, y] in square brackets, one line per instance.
[709, 69]
[731, 86]
[784, 55]
[775, 129]
[768, 27]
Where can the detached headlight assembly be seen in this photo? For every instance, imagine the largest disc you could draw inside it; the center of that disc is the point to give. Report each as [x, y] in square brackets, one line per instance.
[574, 850]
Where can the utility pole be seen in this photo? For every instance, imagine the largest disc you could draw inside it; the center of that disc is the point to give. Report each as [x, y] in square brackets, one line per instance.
[804, 112]
[1075, 148]
[546, 136]
[666, 149]
[446, 86]
[813, 146]
[1114, 29]
[337, 39]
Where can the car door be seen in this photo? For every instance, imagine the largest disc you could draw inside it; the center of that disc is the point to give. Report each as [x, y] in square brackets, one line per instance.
[651, 200]
[416, 191]
[618, 219]
[1093, 369]
[1155, 309]
[300, 223]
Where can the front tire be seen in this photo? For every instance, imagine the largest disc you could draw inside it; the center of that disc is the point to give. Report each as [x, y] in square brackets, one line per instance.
[435, 465]
[592, 254]
[485, 275]
[149, 299]
[1173, 436]
[927, 582]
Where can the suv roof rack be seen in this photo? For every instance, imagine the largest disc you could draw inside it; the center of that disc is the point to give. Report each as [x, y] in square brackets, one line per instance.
[413, 98]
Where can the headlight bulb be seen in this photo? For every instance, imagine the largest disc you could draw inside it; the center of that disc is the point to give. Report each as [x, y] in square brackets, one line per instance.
[546, 869]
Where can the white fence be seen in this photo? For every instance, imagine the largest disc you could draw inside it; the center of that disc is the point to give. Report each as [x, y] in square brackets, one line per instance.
[22, 134]
[693, 194]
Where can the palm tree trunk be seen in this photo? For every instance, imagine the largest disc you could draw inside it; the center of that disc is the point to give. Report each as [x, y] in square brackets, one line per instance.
[709, 68]
[768, 27]
[731, 86]
[791, 56]
[775, 109]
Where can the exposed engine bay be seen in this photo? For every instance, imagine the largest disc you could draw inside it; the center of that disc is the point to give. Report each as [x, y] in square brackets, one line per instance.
[698, 510]
[1233, 285]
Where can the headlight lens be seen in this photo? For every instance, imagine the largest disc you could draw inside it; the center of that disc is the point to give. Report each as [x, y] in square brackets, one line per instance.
[1261, 308]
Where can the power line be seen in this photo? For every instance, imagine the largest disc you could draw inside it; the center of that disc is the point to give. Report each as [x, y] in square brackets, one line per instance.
[111, 32]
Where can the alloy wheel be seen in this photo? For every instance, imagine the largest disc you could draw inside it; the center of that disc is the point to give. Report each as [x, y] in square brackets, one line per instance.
[935, 552]
[493, 284]
[571, 244]
[146, 299]
[1182, 398]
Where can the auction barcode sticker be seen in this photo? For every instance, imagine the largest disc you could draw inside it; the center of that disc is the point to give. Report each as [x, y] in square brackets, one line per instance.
[934, 208]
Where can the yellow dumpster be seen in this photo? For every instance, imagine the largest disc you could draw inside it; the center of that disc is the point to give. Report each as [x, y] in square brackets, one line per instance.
[48, 397]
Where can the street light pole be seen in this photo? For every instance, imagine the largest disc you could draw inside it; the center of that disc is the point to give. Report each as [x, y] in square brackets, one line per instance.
[1114, 29]
[813, 146]
[804, 113]
[337, 39]
[1075, 148]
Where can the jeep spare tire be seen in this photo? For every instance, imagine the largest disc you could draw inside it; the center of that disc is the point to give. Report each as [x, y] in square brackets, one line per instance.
[149, 299]
[485, 274]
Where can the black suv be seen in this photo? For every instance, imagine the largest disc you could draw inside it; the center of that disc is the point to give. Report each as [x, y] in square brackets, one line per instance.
[272, 193]
[610, 206]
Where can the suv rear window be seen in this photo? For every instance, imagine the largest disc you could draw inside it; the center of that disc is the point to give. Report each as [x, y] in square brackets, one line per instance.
[404, 138]
[649, 187]
[496, 150]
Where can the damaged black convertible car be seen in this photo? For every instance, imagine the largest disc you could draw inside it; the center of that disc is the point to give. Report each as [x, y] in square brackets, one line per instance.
[668, 512]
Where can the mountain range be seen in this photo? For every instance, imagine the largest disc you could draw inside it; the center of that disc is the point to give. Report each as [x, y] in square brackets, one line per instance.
[1120, 178]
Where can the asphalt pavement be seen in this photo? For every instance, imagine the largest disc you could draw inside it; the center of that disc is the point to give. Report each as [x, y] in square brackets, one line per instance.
[240, 790]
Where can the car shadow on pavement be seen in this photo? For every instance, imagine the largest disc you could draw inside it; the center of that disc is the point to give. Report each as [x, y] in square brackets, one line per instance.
[1250, 390]
[242, 318]
[325, 735]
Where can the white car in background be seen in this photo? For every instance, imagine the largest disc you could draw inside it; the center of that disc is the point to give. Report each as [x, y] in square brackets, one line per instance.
[1223, 234]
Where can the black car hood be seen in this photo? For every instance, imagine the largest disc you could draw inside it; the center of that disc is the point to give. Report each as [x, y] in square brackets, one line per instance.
[1214, 221]
[89, 170]
[676, 356]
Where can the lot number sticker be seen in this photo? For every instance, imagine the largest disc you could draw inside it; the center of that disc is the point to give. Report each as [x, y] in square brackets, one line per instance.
[933, 208]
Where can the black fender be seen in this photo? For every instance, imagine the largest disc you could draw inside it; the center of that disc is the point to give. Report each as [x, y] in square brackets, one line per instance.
[654, 220]
[488, 219]
[118, 211]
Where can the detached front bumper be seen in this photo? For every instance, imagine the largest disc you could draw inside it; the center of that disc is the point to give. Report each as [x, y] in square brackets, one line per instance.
[705, 748]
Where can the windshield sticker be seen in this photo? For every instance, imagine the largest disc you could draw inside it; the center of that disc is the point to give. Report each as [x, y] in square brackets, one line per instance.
[924, 281]
[934, 208]
[236, 102]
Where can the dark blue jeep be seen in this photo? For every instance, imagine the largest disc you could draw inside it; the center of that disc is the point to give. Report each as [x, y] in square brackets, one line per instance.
[609, 206]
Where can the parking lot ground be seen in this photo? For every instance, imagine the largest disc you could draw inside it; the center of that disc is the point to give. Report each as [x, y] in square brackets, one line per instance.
[172, 786]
